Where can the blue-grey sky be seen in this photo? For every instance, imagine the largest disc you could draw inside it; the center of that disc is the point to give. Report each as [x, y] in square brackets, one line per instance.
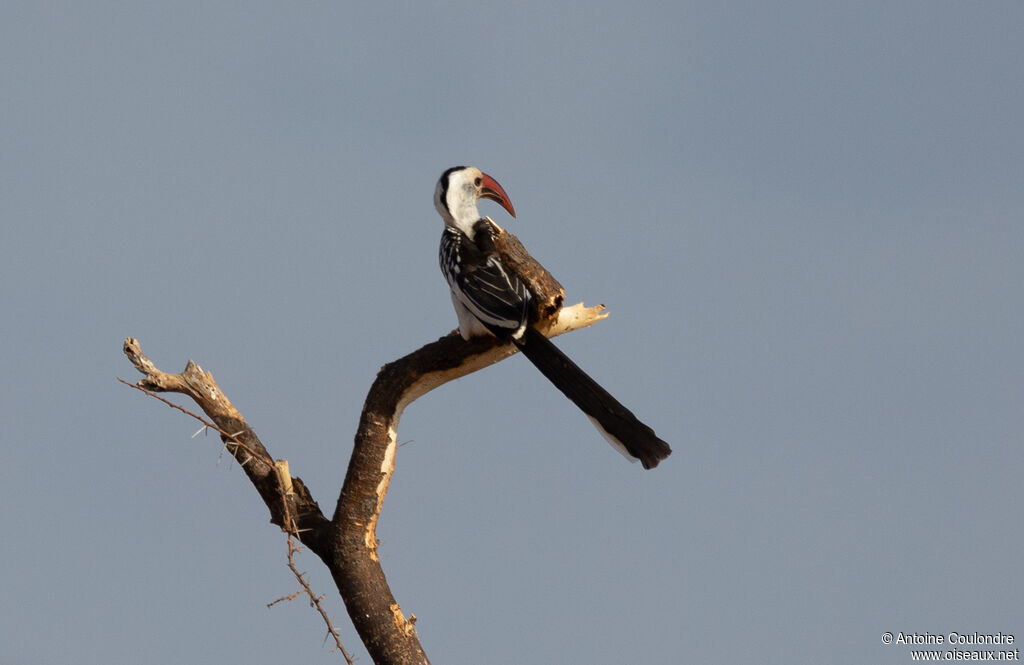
[805, 219]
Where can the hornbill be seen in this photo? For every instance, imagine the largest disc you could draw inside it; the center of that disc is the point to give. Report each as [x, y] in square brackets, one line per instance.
[490, 299]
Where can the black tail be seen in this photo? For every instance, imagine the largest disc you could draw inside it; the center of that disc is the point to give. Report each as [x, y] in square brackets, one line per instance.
[617, 423]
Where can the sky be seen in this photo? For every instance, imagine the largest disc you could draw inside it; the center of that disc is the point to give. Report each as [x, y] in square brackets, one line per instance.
[803, 217]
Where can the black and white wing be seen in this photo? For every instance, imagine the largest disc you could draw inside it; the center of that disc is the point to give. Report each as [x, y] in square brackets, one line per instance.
[480, 283]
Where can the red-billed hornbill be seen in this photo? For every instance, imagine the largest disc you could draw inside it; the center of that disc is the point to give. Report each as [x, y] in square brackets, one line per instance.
[491, 299]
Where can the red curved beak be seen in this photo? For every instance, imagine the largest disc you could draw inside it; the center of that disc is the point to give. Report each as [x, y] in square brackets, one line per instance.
[490, 189]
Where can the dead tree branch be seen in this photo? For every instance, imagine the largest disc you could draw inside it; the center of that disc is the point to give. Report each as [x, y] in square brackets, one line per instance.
[347, 542]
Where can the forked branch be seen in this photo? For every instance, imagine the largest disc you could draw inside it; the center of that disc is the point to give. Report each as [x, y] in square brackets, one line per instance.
[347, 542]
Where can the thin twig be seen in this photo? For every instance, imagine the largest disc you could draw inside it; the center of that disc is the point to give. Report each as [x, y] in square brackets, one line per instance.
[313, 598]
[233, 437]
[289, 597]
[290, 529]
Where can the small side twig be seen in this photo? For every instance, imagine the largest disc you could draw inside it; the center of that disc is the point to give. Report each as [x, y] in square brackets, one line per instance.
[232, 438]
[314, 599]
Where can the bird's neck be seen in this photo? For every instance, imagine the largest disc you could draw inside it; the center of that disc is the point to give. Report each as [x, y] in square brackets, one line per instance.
[464, 217]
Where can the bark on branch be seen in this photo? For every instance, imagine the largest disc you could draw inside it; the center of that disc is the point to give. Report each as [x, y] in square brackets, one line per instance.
[347, 542]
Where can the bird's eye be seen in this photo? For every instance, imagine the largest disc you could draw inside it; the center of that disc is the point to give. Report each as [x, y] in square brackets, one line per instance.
[478, 182]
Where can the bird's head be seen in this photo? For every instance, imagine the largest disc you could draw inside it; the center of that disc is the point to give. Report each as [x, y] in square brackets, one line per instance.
[457, 192]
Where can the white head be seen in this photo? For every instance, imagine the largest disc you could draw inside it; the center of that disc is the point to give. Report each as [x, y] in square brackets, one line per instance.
[458, 191]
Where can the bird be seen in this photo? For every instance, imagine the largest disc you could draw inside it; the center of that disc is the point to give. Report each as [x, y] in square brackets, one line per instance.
[491, 299]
